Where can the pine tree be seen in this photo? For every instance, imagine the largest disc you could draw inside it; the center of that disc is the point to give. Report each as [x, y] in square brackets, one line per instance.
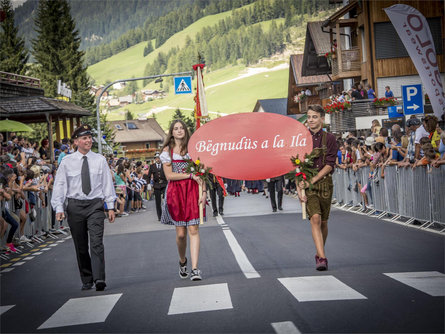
[57, 52]
[13, 54]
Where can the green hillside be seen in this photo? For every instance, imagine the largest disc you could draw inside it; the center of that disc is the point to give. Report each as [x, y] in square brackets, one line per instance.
[231, 94]
[131, 63]
[234, 97]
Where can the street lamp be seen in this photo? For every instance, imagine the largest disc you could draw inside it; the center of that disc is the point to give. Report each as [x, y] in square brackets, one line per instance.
[159, 76]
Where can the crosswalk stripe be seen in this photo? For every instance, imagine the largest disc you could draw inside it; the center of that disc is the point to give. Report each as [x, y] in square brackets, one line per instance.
[285, 327]
[38, 253]
[5, 308]
[200, 299]
[5, 265]
[78, 311]
[18, 263]
[7, 270]
[429, 282]
[45, 249]
[29, 258]
[319, 288]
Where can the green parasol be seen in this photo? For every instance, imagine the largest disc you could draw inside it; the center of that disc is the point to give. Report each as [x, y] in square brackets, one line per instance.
[8, 125]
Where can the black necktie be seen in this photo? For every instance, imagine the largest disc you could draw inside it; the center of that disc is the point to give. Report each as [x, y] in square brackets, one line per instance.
[86, 183]
[157, 165]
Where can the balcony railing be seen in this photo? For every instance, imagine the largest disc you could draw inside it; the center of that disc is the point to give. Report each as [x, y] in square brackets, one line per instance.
[20, 80]
[350, 62]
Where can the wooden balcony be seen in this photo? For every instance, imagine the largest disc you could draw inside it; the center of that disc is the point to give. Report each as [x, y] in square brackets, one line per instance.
[313, 99]
[346, 64]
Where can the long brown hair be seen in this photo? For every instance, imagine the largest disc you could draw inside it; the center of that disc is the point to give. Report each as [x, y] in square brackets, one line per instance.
[170, 140]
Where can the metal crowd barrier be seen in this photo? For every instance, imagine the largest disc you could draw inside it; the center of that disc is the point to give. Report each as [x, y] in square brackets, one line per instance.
[417, 194]
[42, 223]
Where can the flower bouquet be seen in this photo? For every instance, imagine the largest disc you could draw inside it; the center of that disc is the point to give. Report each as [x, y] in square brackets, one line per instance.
[337, 106]
[300, 97]
[385, 101]
[304, 171]
[198, 169]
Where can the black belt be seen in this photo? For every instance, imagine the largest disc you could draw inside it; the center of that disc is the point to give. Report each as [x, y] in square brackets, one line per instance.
[84, 200]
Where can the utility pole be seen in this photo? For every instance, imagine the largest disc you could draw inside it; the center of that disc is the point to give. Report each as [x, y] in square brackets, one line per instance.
[99, 131]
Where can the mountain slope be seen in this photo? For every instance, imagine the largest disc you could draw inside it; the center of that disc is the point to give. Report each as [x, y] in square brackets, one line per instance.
[100, 21]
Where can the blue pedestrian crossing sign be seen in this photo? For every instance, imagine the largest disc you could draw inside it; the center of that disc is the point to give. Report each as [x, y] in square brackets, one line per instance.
[183, 85]
[412, 99]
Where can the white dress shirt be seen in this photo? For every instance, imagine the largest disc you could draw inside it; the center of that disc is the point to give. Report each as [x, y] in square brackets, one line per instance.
[68, 182]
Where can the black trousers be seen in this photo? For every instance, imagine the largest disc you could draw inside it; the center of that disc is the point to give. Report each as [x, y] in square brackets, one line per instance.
[214, 190]
[271, 187]
[86, 218]
[159, 192]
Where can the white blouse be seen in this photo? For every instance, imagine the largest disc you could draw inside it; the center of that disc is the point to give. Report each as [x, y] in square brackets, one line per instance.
[165, 157]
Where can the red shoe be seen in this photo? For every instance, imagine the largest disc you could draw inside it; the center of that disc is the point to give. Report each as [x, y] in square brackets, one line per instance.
[321, 264]
[11, 247]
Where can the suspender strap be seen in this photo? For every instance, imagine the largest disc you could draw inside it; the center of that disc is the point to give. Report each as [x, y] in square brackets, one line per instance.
[324, 147]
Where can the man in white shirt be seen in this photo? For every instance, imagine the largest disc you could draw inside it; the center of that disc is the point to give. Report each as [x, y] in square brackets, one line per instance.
[84, 179]
[308, 92]
[420, 133]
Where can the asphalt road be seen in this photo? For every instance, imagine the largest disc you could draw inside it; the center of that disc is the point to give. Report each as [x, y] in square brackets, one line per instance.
[258, 277]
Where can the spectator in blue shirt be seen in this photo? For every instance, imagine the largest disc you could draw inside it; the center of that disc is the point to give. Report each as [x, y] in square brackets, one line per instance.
[388, 92]
[63, 153]
[371, 93]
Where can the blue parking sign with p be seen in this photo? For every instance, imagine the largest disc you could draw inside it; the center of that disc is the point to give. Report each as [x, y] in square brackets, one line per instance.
[412, 99]
[183, 85]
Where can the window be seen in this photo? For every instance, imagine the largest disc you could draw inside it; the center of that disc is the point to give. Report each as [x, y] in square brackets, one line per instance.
[131, 126]
[147, 145]
[118, 126]
[389, 45]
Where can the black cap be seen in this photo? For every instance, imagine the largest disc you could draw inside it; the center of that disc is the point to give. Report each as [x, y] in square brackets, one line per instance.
[83, 130]
[412, 121]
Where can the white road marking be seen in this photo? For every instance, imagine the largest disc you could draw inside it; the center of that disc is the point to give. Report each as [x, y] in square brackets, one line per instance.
[285, 327]
[29, 257]
[200, 298]
[429, 282]
[78, 311]
[241, 257]
[5, 308]
[45, 249]
[7, 270]
[38, 253]
[319, 288]
[53, 245]
[18, 264]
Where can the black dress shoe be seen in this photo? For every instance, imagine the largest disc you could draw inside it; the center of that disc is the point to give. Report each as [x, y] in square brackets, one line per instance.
[100, 285]
[274, 210]
[215, 214]
[87, 286]
[221, 212]
[280, 208]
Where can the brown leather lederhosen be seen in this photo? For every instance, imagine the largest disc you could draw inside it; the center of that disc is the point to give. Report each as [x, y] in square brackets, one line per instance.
[319, 196]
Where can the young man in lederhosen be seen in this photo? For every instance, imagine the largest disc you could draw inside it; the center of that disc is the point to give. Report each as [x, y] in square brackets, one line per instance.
[84, 180]
[319, 195]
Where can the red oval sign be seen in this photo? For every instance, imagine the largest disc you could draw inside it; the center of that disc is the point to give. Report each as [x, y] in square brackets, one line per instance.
[250, 146]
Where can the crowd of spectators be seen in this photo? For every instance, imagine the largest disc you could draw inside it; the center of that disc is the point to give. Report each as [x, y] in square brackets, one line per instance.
[26, 180]
[421, 143]
[357, 92]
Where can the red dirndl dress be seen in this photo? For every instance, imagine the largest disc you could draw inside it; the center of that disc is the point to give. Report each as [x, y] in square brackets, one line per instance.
[181, 198]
